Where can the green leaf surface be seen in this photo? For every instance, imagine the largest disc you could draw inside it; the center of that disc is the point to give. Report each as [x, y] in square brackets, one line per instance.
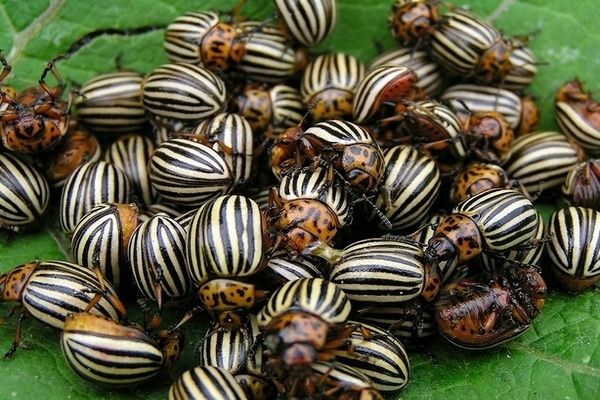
[559, 357]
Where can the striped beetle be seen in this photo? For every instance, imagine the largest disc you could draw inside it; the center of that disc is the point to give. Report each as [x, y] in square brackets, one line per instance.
[431, 78]
[413, 21]
[200, 38]
[385, 271]
[156, 255]
[51, 290]
[24, 194]
[111, 104]
[301, 322]
[486, 310]
[189, 173]
[230, 135]
[268, 56]
[574, 247]
[183, 92]
[221, 259]
[100, 240]
[206, 383]
[410, 186]
[90, 184]
[340, 381]
[380, 356]
[382, 87]
[493, 221]
[106, 352]
[582, 185]
[329, 83]
[578, 116]
[308, 22]
[131, 154]
[37, 118]
[542, 160]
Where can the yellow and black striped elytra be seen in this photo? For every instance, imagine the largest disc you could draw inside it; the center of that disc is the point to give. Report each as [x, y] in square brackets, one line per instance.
[340, 380]
[484, 98]
[308, 22]
[183, 92]
[231, 136]
[225, 239]
[281, 269]
[189, 173]
[431, 78]
[111, 104]
[51, 290]
[131, 154]
[90, 184]
[200, 38]
[410, 185]
[574, 247]
[156, 256]
[379, 355]
[268, 55]
[206, 383]
[494, 221]
[378, 271]
[577, 114]
[523, 67]
[582, 185]
[24, 194]
[382, 86]
[101, 237]
[329, 83]
[484, 311]
[542, 160]
[107, 353]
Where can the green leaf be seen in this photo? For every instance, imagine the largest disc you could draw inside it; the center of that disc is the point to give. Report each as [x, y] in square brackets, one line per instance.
[559, 357]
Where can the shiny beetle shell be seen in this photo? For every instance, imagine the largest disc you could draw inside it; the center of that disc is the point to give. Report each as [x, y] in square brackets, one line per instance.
[382, 357]
[314, 296]
[200, 38]
[90, 184]
[431, 78]
[542, 160]
[328, 85]
[108, 353]
[574, 247]
[50, 290]
[387, 83]
[101, 237]
[496, 220]
[206, 383]
[484, 98]
[578, 116]
[413, 21]
[268, 56]
[131, 154]
[214, 249]
[77, 148]
[183, 92]
[231, 136]
[37, 119]
[189, 173]
[380, 271]
[156, 254]
[314, 185]
[523, 67]
[410, 186]
[24, 194]
[111, 104]
[582, 185]
[343, 381]
[485, 311]
[308, 22]
[478, 177]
